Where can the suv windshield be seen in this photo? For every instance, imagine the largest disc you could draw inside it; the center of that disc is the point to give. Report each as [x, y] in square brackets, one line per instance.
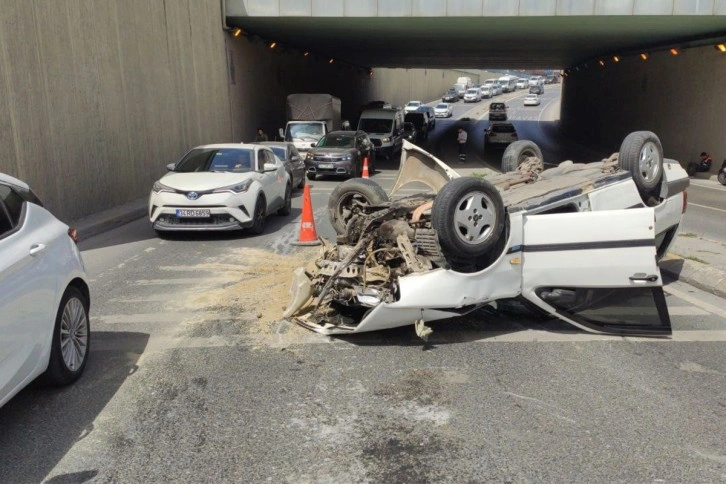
[502, 128]
[442, 106]
[377, 126]
[336, 141]
[217, 159]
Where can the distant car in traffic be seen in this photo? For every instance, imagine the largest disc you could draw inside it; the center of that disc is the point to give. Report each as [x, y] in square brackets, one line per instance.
[290, 156]
[412, 106]
[531, 100]
[497, 111]
[472, 95]
[443, 110]
[410, 132]
[536, 89]
[496, 89]
[422, 126]
[450, 96]
[499, 135]
[341, 153]
[522, 83]
[486, 92]
[221, 187]
[44, 295]
[430, 115]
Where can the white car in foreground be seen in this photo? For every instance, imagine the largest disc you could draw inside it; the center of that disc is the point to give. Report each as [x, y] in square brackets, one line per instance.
[579, 242]
[443, 110]
[531, 100]
[44, 296]
[221, 187]
[412, 106]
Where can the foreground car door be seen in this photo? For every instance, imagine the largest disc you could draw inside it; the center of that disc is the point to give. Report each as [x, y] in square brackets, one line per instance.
[596, 270]
[27, 288]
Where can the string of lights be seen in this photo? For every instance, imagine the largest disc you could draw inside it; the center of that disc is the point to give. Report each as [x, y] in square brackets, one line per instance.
[278, 47]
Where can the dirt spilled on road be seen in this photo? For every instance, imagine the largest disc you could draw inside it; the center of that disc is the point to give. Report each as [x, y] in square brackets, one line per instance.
[256, 293]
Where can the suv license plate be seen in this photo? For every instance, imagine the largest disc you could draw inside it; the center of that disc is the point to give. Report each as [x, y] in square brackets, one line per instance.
[195, 213]
[326, 165]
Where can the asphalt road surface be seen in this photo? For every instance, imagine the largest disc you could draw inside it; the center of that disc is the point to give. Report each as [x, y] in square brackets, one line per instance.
[194, 377]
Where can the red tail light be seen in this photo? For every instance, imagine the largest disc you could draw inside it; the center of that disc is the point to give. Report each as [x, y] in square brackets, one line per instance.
[73, 234]
[685, 201]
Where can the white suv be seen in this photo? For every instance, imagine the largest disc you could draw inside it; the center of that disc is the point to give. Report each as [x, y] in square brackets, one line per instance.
[44, 294]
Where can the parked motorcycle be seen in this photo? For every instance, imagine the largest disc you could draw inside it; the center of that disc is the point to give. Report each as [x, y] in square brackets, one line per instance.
[722, 173]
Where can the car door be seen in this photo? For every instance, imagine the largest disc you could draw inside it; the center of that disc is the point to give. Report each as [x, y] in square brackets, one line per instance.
[298, 165]
[273, 183]
[27, 288]
[596, 270]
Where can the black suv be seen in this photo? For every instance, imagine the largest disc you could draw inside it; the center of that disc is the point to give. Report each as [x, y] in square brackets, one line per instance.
[421, 122]
[451, 96]
[497, 112]
[340, 153]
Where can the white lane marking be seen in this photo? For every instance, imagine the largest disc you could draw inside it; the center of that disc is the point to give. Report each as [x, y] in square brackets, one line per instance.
[162, 317]
[706, 206]
[696, 302]
[540, 402]
[539, 118]
[179, 281]
[702, 185]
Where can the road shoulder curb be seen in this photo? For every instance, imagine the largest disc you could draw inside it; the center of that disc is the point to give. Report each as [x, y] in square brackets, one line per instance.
[706, 278]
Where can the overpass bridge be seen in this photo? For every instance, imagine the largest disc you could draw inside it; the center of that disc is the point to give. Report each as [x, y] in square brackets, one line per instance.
[480, 33]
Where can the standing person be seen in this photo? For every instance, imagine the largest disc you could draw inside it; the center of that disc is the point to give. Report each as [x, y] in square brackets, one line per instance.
[261, 136]
[461, 140]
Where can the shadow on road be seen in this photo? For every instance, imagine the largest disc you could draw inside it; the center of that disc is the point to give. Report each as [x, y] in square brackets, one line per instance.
[42, 423]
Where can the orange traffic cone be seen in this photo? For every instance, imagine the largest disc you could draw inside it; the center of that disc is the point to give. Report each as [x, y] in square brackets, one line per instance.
[365, 168]
[308, 235]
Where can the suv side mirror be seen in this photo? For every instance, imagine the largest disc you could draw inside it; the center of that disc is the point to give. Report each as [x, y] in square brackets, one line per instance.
[281, 133]
[269, 167]
[170, 166]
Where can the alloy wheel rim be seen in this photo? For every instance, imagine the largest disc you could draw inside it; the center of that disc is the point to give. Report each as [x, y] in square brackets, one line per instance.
[648, 161]
[474, 218]
[74, 334]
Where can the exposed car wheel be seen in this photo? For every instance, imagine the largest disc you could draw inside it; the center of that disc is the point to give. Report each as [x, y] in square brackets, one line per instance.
[468, 215]
[310, 176]
[517, 152]
[349, 196]
[722, 178]
[71, 339]
[258, 220]
[642, 155]
[287, 207]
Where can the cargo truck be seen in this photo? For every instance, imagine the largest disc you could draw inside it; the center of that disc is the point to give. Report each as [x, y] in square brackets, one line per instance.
[309, 118]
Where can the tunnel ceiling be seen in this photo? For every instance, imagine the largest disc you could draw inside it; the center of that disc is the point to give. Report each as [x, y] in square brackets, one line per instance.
[480, 42]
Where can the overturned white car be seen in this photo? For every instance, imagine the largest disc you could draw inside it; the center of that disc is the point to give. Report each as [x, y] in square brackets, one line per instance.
[579, 242]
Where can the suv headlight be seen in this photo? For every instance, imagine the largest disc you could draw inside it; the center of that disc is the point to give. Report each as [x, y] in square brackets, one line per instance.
[236, 188]
[386, 139]
[160, 187]
[309, 156]
[347, 157]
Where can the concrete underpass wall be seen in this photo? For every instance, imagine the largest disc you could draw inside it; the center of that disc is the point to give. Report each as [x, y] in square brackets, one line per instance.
[680, 98]
[398, 86]
[96, 97]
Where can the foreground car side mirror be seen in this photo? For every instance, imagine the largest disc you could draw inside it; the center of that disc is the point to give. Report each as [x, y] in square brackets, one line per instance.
[312, 145]
[281, 132]
[170, 166]
[269, 167]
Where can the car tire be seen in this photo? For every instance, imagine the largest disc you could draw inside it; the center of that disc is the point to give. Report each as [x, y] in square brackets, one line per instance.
[301, 185]
[348, 195]
[310, 176]
[287, 207]
[468, 215]
[516, 153]
[71, 339]
[258, 219]
[642, 155]
[722, 178]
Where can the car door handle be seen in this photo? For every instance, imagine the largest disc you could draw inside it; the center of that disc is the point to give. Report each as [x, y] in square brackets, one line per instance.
[37, 248]
[641, 276]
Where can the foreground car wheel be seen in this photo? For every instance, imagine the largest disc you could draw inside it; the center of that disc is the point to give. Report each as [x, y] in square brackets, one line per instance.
[517, 152]
[349, 197]
[310, 176]
[258, 221]
[642, 155]
[71, 339]
[468, 215]
[287, 207]
[301, 185]
[722, 178]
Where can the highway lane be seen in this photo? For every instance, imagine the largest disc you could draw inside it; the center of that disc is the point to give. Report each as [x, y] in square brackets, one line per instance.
[194, 377]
